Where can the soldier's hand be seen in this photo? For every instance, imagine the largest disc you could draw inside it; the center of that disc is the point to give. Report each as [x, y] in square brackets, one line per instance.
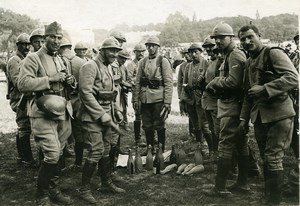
[257, 91]
[105, 119]
[58, 77]
[69, 79]
[119, 116]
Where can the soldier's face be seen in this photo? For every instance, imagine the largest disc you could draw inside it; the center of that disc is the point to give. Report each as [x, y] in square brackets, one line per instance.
[250, 41]
[53, 42]
[80, 52]
[195, 54]
[24, 48]
[110, 54]
[139, 54]
[209, 50]
[37, 42]
[121, 60]
[223, 41]
[152, 49]
[187, 56]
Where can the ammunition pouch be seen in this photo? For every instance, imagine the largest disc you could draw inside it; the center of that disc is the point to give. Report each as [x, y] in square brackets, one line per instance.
[151, 83]
[106, 97]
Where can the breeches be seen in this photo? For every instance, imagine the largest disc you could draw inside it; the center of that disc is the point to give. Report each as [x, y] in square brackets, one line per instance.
[230, 140]
[197, 115]
[272, 139]
[97, 140]
[51, 136]
[151, 119]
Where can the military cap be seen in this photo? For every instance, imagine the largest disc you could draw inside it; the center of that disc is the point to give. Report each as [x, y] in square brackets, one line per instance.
[54, 28]
[208, 41]
[153, 40]
[37, 32]
[81, 45]
[195, 46]
[118, 35]
[222, 29]
[23, 39]
[139, 47]
[124, 53]
[110, 43]
[185, 50]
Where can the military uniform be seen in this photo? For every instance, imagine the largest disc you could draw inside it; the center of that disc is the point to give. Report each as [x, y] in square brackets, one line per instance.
[22, 119]
[153, 98]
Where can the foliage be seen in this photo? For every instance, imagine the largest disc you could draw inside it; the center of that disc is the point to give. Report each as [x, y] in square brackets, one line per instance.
[13, 24]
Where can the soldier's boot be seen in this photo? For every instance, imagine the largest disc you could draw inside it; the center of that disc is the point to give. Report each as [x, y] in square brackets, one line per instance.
[254, 169]
[233, 172]
[191, 129]
[118, 148]
[20, 155]
[85, 191]
[28, 159]
[223, 168]
[107, 184]
[276, 181]
[161, 135]
[46, 171]
[241, 185]
[54, 192]
[137, 134]
[112, 156]
[208, 139]
[79, 147]
[149, 140]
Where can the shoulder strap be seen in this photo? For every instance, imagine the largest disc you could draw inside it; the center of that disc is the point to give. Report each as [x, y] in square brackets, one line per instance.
[268, 66]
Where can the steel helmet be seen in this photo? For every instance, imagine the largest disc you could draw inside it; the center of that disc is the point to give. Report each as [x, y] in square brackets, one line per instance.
[118, 35]
[124, 53]
[222, 29]
[36, 32]
[195, 46]
[153, 40]
[208, 41]
[110, 43]
[81, 45]
[52, 104]
[139, 47]
[23, 39]
[66, 39]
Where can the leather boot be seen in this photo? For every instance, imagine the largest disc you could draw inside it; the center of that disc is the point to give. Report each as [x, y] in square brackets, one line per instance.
[149, 139]
[85, 191]
[54, 191]
[20, 157]
[112, 156]
[46, 171]
[241, 185]
[198, 134]
[254, 169]
[223, 168]
[79, 146]
[161, 135]
[137, 134]
[191, 129]
[28, 160]
[276, 181]
[208, 138]
[105, 174]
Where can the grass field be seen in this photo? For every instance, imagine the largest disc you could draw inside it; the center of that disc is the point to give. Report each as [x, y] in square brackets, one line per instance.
[17, 184]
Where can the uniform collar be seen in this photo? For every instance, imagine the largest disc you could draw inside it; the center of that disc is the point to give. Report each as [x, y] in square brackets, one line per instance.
[229, 48]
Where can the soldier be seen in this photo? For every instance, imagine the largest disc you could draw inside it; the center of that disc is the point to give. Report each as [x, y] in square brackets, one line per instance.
[228, 87]
[81, 50]
[74, 63]
[268, 105]
[24, 130]
[209, 101]
[193, 86]
[37, 39]
[180, 77]
[154, 87]
[97, 113]
[44, 73]
[132, 66]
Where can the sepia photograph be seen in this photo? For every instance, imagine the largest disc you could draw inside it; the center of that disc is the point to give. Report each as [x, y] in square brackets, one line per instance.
[149, 102]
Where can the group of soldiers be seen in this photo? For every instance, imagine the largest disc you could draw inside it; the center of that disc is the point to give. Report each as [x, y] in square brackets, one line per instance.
[57, 94]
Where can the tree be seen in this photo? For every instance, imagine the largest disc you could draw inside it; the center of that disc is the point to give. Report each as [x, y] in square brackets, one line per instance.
[11, 25]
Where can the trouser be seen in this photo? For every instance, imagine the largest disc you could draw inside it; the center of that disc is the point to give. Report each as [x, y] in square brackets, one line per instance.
[151, 119]
[214, 126]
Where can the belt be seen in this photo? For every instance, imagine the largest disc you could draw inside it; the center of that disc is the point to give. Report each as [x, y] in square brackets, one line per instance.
[42, 93]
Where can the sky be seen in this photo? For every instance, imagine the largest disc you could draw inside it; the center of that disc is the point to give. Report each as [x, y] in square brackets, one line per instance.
[105, 14]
